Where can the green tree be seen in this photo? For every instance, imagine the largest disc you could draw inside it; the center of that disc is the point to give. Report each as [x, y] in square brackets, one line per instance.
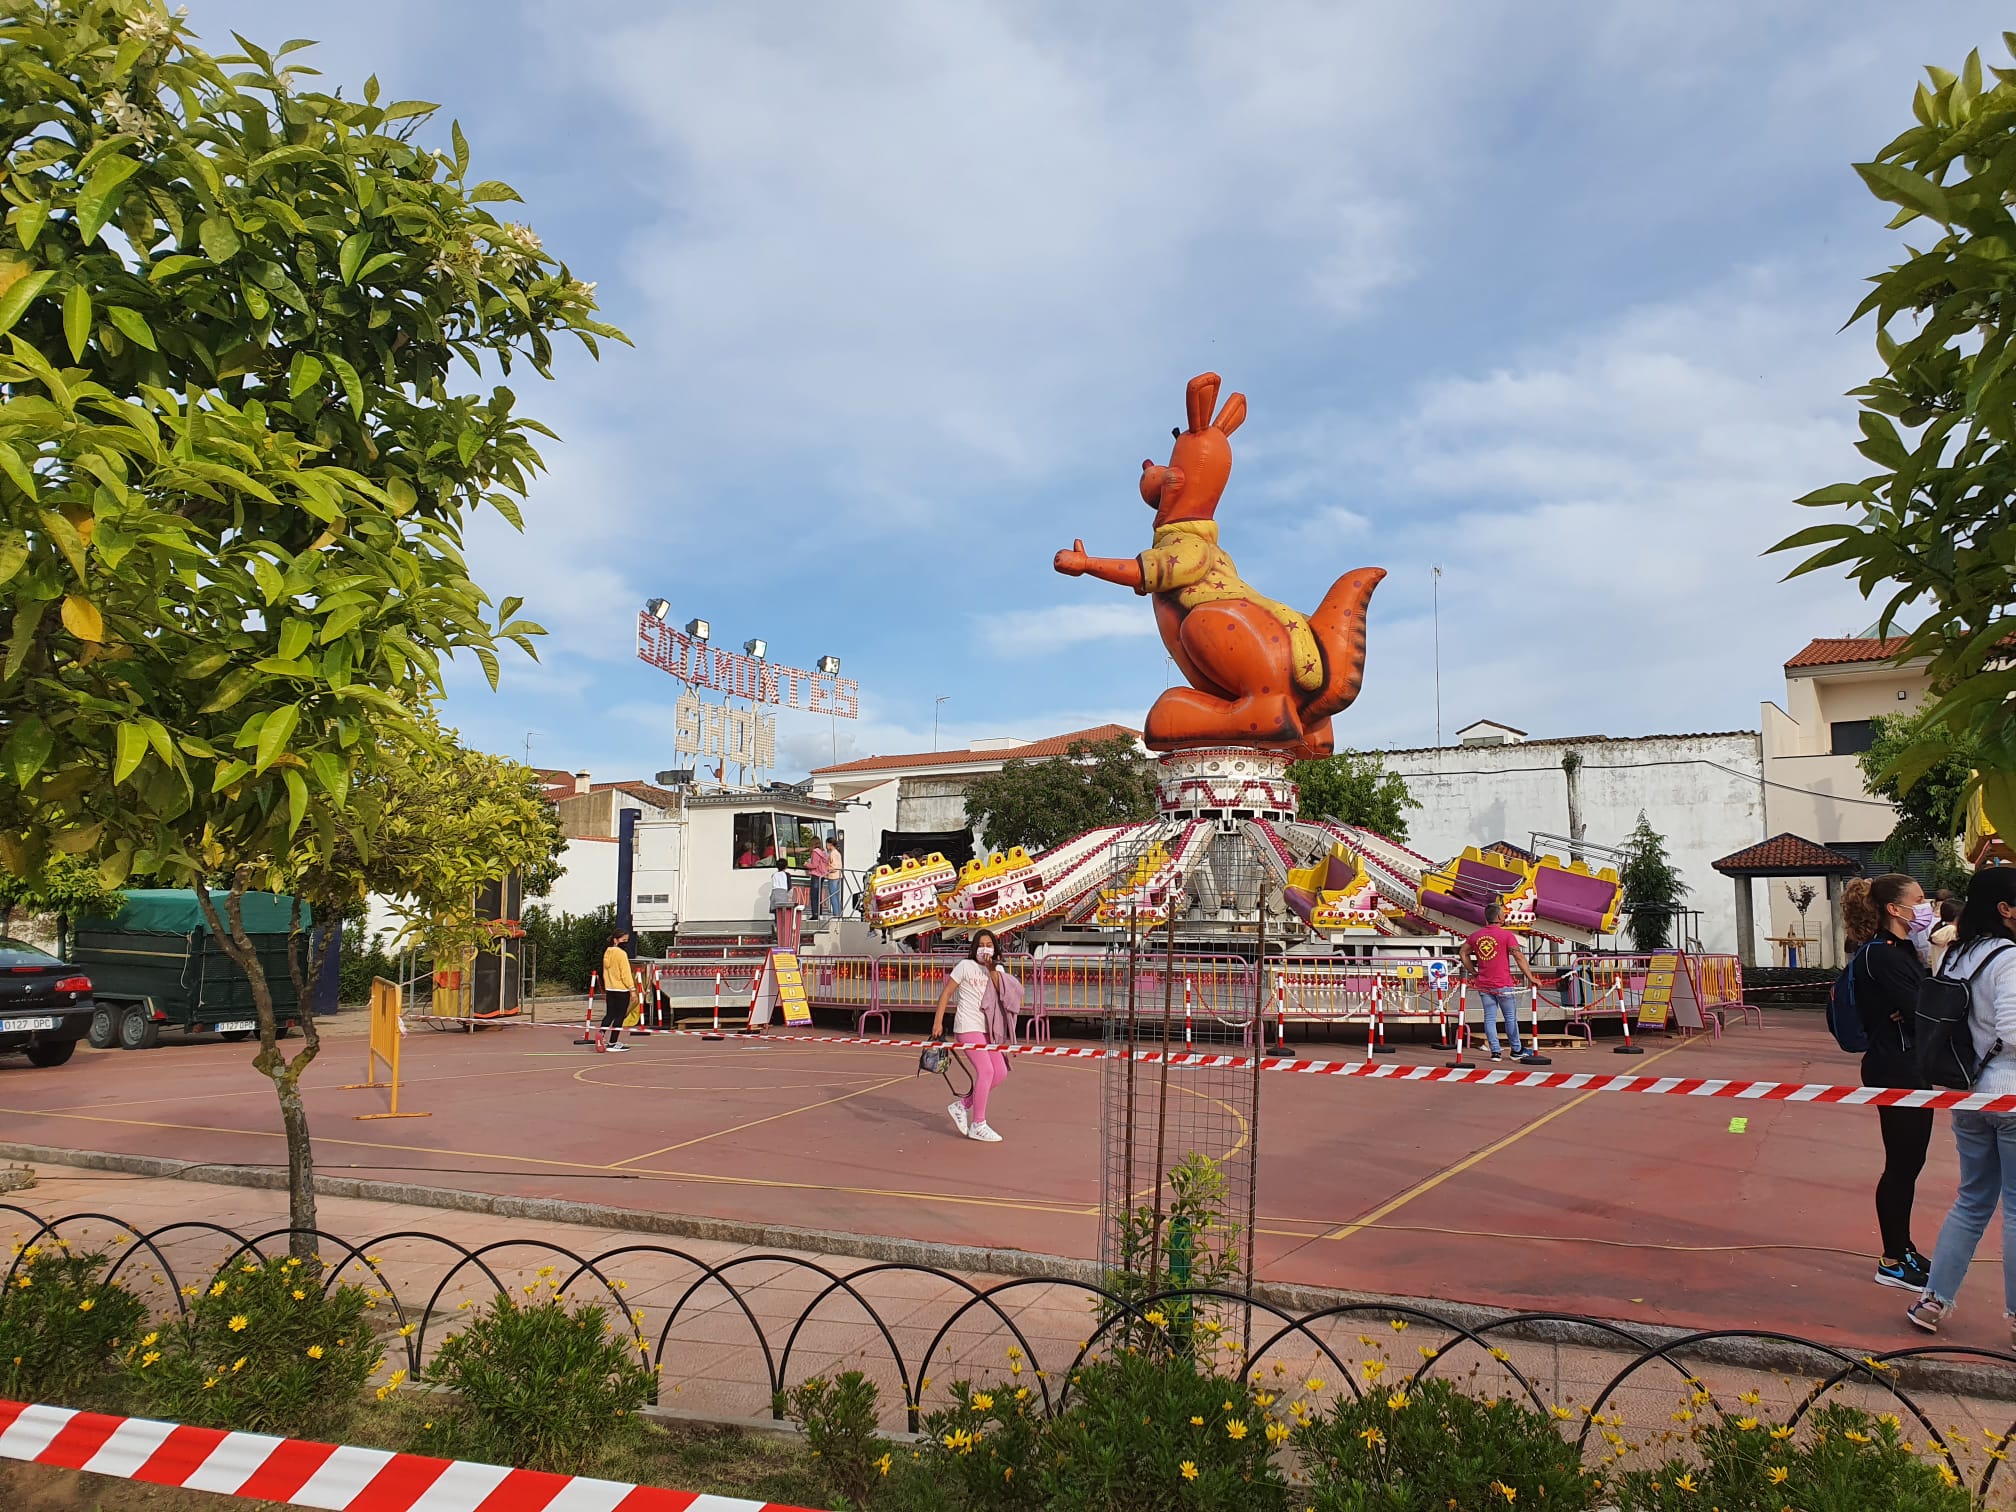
[1931, 812]
[1354, 788]
[235, 464]
[1934, 528]
[66, 887]
[1039, 804]
[1652, 887]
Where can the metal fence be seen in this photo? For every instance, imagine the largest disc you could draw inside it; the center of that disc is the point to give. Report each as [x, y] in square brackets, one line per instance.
[916, 1329]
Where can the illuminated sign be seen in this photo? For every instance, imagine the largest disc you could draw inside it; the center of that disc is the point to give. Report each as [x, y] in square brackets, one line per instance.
[736, 675]
[739, 735]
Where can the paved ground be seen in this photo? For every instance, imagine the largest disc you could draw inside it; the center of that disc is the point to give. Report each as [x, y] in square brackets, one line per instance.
[1628, 1207]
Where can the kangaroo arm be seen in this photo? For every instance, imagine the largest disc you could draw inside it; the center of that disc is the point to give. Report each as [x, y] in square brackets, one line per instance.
[1125, 571]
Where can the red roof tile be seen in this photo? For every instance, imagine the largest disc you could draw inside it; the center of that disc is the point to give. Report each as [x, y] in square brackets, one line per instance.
[1787, 855]
[1056, 745]
[1846, 652]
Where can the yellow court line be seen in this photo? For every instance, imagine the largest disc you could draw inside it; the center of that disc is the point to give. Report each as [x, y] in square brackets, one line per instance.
[751, 1124]
[1422, 1188]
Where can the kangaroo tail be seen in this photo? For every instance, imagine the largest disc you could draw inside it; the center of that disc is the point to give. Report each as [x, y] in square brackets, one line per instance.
[1339, 626]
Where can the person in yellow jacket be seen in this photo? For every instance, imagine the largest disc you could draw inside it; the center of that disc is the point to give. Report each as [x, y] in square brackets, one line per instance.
[617, 985]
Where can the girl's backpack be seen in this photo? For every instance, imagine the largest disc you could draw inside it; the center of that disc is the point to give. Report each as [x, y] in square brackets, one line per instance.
[1944, 1044]
[1843, 1021]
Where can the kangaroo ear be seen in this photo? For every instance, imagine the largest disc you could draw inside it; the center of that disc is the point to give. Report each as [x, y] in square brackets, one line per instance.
[1232, 416]
[1202, 396]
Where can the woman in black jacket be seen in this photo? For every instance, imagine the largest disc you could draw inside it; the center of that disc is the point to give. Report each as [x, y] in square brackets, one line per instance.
[1877, 916]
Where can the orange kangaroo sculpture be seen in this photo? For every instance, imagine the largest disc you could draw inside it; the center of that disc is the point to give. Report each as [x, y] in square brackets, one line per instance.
[1261, 674]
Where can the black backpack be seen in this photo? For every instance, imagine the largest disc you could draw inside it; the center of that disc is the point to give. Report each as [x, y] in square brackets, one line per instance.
[1945, 1036]
[1844, 1020]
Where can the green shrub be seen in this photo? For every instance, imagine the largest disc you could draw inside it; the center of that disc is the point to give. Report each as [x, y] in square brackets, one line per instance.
[837, 1417]
[988, 1443]
[542, 1385]
[1192, 1242]
[62, 1325]
[1146, 1430]
[1412, 1448]
[265, 1348]
[1845, 1461]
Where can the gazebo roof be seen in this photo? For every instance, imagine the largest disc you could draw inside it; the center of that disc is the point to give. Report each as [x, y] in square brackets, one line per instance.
[1787, 856]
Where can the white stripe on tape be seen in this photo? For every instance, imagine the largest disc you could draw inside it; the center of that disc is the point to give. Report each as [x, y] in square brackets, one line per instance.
[335, 1484]
[132, 1444]
[709, 1503]
[584, 1495]
[461, 1488]
[232, 1462]
[33, 1431]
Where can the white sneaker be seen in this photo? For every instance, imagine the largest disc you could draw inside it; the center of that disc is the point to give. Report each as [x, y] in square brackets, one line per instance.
[960, 1119]
[619, 1049]
[985, 1135]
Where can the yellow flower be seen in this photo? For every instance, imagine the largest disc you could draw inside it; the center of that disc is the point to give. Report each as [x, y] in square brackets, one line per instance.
[218, 1289]
[1946, 1474]
[882, 1464]
[1189, 1470]
[1683, 1416]
[1235, 1430]
[314, 1351]
[1777, 1474]
[1396, 1401]
[238, 1364]
[1154, 1316]
[1399, 1325]
[407, 1330]
[1686, 1483]
[1265, 1399]
[1748, 1424]
[1196, 1422]
[1562, 1413]
[210, 1381]
[983, 1401]
[1500, 1356]
[1277, 1433]
[86, 1305]
[300, 1295]
[24, 1282]
[1781, 1433]
[544, 1271]
[1373, 1369]
[1856, 1438]
[1505, 1491]
[293, 1263]
[1372, 1436]
[239, 1323]
[1429, 1354]
[152, 1338]
[1749, 1399]
[1313, 1384]
[250, 1268]
[149, 1358]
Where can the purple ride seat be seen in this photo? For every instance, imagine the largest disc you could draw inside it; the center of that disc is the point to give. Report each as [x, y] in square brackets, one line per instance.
[1335, 874]
[1569, 897]
[1476, 884]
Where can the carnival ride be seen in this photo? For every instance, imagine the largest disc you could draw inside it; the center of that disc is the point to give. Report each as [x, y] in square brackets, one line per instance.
[1983, 846]
[1264, 681]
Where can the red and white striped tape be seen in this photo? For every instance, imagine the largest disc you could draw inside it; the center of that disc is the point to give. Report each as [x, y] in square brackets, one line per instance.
[1568, 1081]
[264, 1468]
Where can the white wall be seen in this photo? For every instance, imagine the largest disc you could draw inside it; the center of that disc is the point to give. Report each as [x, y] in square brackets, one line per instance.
[1702, 792]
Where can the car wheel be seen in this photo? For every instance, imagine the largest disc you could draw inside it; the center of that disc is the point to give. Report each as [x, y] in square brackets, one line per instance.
[105, 1026]
[53, 1054]
[137, 1030]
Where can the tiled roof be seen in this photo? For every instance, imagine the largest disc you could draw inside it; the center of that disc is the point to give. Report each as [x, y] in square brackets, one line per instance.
[1787, 855]
[1507, 848]
[1846, 652]
[1056, 745]
[1562, 740]
[643, 792]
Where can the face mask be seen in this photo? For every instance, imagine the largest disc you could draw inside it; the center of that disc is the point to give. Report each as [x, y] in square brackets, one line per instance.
[985, 954]
[1923, 917]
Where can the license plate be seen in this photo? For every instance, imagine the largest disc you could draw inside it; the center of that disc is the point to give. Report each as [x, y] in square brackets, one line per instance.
[23, 1025]
[237, 1028]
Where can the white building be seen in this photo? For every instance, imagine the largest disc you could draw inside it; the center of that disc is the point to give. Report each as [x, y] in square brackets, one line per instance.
[1704, 793]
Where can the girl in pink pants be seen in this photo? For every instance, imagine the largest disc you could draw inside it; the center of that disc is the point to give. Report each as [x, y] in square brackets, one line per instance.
[968, 990]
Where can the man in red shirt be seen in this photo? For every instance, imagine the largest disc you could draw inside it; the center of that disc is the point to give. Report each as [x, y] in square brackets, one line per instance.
[1488, 958]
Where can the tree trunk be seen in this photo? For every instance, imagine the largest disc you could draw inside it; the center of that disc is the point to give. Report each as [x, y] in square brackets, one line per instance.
[1571, 767]
[270, 1061]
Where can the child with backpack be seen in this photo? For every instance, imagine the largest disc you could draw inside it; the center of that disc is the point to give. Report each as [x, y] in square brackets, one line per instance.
[1872, 1010]
[1978, 975]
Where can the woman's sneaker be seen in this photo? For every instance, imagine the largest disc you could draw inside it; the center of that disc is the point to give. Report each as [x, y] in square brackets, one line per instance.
[1909, 1274]
[985, 1135]
[1928, 1312]
[960, 1120]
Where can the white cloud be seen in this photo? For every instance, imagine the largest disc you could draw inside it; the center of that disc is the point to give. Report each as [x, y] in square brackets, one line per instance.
[1040, 632]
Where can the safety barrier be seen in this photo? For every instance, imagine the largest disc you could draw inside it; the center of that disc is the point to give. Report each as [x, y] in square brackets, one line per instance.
[387, 1030]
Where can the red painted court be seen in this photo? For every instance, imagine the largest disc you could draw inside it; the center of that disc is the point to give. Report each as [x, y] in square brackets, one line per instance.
[1636, 1207]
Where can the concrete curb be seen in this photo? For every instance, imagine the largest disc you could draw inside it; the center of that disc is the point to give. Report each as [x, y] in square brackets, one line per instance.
[1995, 1381]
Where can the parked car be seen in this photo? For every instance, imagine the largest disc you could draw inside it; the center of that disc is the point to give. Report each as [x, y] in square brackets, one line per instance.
[45, 1003]
[157, 967]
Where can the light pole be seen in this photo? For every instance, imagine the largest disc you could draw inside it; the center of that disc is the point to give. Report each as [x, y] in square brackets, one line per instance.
[935, 707]
[1435, 592]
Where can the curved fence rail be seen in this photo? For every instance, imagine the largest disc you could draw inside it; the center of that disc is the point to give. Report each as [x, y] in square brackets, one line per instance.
[732, 1333]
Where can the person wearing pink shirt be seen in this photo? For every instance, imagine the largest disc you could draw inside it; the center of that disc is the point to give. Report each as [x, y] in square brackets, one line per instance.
[1489, 957]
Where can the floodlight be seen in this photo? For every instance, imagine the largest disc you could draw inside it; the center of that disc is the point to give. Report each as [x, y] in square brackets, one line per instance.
[699, 629]
[756, 648]
[657, 608]
[829, 665]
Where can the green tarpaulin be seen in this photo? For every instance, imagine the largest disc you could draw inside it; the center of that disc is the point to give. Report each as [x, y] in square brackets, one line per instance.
[174, 910]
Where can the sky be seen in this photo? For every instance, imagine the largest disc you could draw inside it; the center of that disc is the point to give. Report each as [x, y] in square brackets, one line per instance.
[1549, 296]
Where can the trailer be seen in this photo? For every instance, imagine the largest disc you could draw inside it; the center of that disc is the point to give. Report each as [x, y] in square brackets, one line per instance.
[155, 966]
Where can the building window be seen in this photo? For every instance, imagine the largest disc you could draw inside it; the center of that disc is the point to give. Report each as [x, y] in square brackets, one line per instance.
[761, 838]
[1852, 736]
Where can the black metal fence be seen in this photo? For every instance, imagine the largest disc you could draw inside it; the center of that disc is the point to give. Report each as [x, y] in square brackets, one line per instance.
[883, 1308]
